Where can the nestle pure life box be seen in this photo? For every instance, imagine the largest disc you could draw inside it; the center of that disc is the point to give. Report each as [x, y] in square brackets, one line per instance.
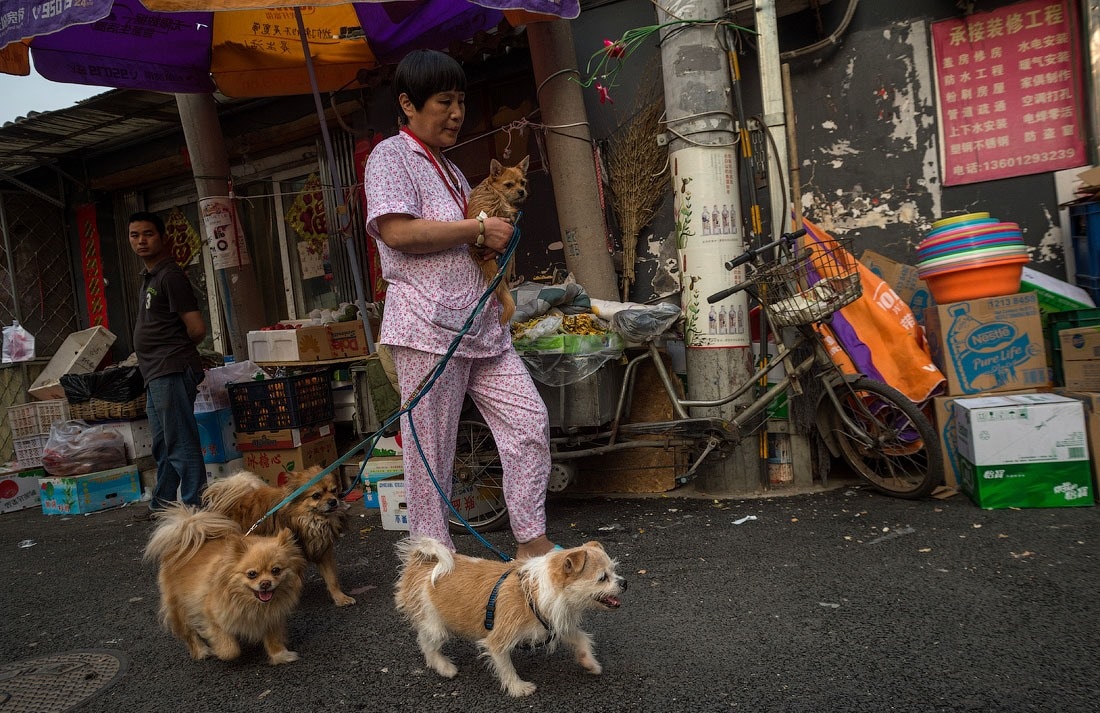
[1023, 451]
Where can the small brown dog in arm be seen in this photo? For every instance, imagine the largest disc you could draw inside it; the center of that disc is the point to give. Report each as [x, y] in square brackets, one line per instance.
[498, 196]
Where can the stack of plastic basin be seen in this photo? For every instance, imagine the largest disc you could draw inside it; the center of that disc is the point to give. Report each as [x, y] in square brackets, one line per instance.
[970, 256]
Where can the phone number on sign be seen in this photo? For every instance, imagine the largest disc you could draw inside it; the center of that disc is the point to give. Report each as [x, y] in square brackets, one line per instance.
[1028, 159]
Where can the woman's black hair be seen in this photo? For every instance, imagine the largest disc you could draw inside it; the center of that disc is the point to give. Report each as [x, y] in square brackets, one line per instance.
[422, 73]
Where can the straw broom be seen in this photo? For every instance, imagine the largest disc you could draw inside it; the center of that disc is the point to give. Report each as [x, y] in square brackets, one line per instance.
[638, 175]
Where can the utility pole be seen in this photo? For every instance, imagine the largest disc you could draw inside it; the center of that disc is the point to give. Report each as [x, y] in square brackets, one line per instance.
[572, 166]
[235, 277]
[705, 181]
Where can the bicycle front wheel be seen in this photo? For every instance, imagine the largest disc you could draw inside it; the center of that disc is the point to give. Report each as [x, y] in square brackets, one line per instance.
[893, 446]
[477, 488]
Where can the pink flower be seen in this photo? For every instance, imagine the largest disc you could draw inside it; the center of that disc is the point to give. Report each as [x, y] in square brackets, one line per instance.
[605, 97]
[614, 49]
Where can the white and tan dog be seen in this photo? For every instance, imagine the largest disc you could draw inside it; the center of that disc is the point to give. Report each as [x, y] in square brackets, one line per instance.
[501, 605]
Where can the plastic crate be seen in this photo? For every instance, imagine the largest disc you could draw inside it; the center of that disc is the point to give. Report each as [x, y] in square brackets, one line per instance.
[23, 421]
[50, 412]
[28, 451]
[284, 402]
[1084, 219]
[1058, 321]
[211, 398]
[35, 418]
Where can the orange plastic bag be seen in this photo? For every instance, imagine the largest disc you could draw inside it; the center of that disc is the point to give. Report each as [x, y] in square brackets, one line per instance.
[879, 334]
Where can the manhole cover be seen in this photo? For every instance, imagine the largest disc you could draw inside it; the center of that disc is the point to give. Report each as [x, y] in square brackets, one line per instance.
[62, 682]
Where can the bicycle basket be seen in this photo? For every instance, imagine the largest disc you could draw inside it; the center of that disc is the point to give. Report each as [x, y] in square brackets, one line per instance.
[819, 280]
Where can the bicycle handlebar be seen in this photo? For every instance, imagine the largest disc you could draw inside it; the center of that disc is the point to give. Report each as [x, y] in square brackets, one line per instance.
[752, 253]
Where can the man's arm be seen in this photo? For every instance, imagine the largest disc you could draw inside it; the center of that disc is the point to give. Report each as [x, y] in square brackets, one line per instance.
[196, 328]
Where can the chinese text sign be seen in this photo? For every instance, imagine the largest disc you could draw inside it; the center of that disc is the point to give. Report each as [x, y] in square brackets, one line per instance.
[1009, 92]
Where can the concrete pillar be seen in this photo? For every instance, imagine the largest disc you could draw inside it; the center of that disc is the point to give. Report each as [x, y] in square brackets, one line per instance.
[234, 274]
[699, 106]
[569, 149]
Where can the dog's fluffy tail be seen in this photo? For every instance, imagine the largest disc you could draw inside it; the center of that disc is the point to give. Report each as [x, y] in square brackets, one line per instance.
[223, 494]
[182, 530]
[424, 550]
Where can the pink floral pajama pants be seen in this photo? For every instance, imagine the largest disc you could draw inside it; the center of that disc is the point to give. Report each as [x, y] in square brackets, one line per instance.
[502, 389]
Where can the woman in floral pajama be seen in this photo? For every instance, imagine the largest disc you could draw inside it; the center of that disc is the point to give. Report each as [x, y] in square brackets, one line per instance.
[416, 207]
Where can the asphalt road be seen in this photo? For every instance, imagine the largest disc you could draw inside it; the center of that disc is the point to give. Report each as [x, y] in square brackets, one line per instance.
[833, 601]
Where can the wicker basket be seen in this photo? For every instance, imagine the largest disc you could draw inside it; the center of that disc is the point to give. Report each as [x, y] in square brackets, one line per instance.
[99, 410]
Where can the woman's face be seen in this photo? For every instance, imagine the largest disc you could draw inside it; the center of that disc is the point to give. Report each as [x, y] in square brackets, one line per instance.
[437, 123]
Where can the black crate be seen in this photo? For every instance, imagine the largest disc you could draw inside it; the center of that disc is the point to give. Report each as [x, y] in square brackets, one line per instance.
[285, 402]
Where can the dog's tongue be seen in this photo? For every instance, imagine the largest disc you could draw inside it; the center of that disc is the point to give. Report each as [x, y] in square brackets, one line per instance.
[265, 595]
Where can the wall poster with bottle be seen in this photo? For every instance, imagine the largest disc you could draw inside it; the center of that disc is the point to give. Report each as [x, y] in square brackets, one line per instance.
[709, 235]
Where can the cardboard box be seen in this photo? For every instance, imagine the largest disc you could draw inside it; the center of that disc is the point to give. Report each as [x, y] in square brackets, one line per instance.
[903, 278]
[377, 469]
[392, 505]
[274, 466]
[1080, 343]
[347, 339]
[1091, 400]
[80, 353]
[1054, 295]
[1023, 451]
[138, 436]
[281, 438]
[1081, 375]
[301, 344]
[78, 494]
[224, 470]
[217, 435]
[944, 418]
[992, 344]
[19, 491]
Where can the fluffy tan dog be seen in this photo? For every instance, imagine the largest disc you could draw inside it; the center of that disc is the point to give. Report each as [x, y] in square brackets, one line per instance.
[219, 588]
[499, 196]
[317, 517]
[500, 605]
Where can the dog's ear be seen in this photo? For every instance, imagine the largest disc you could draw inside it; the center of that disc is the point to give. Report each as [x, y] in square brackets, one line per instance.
[575, 560]
[593, 543]
[495, 168]
[524, 163]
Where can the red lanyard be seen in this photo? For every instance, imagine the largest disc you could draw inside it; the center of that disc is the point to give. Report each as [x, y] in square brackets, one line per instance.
[453, 189]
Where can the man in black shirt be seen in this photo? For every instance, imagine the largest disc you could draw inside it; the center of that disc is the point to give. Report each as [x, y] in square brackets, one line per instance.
[169, 325]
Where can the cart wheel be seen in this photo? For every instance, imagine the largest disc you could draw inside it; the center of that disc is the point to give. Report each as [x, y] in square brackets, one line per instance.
[561, 475]
[477, 491]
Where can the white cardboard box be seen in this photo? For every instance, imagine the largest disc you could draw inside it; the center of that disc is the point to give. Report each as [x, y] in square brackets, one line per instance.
[138, 436]
[80, 353]
[391, 503]
[18, 492]
[224, 470]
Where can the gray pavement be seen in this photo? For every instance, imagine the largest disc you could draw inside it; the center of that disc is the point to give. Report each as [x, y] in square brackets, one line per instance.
[842, 600]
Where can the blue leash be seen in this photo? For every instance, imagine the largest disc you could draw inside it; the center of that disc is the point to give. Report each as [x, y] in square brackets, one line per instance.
[367, 444]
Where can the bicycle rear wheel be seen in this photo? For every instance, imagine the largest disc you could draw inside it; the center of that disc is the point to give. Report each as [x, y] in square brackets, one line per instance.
[477, 487]
[895, 449]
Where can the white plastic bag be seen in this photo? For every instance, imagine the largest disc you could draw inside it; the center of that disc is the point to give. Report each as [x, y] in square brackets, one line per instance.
[18, 344]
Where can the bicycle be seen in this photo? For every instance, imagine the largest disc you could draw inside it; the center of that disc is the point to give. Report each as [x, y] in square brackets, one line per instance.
[879, 432]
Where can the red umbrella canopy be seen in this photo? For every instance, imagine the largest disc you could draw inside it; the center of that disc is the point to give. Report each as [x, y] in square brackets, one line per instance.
[242, 48]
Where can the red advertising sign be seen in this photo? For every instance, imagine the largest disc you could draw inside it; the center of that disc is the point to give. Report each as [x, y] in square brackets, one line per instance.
[1009, 92]
[91, 264]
